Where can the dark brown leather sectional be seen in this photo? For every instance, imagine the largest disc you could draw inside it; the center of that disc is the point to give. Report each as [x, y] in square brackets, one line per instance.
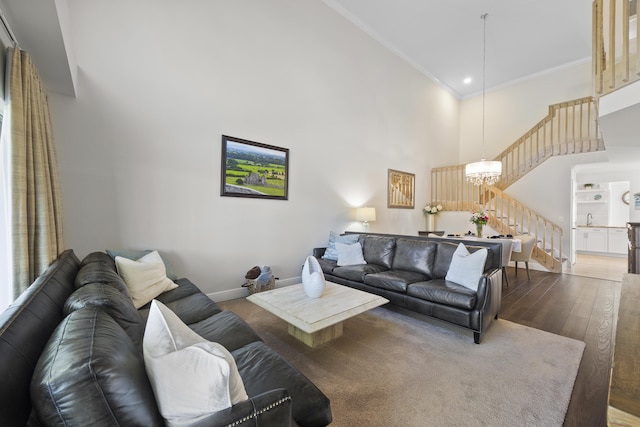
[71, 354]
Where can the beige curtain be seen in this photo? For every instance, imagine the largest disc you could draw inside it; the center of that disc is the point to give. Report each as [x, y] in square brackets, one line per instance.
[35, 200]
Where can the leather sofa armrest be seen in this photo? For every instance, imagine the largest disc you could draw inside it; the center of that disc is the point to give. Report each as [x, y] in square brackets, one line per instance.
[487, 282]
[318, 252]
[489, 300]
[269, 409]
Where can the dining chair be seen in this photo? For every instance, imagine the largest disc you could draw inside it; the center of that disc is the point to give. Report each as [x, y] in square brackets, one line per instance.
[524, 255]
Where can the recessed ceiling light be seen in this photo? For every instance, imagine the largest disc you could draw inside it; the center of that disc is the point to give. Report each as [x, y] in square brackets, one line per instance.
[467, 80]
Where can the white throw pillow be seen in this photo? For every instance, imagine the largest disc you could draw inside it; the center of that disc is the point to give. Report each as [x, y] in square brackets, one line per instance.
[146, 278]
[191, 377]
[467, 268]
[331, 252]
[350, 254]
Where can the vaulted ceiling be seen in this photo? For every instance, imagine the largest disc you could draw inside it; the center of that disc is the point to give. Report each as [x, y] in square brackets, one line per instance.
[443, 38]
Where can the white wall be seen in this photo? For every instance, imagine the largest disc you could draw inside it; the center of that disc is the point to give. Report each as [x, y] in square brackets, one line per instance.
[513, 110]
[619, 211]
[160, 82]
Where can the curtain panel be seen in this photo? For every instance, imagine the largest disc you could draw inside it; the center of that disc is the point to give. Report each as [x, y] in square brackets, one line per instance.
[35, 211]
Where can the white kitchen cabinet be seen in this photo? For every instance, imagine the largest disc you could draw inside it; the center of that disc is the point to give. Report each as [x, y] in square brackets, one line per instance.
[617, 240]
[591, 239]
[581, 239]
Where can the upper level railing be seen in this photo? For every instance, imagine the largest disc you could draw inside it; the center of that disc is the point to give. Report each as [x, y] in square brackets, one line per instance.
[616, 51]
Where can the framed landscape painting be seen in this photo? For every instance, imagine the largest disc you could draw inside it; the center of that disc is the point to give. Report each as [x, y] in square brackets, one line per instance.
[401, 189]
[252, 169]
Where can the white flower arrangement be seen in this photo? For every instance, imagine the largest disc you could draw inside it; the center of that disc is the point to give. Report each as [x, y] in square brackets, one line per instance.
[432, 210]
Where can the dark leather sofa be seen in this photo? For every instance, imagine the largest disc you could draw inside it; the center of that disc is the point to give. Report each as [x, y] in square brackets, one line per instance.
[71, 352]
[410, 272]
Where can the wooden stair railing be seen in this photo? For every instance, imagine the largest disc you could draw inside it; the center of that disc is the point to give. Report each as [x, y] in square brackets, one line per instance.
[509, 216]
[616, 56]
[569, 127]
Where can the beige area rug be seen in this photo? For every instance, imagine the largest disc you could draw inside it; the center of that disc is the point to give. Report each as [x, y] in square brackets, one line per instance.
[396, 368]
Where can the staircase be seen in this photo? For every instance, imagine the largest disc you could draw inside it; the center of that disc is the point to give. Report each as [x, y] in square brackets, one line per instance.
[569, 127]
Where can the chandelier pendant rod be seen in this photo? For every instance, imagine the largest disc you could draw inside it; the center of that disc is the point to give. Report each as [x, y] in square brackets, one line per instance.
[484, 172]
[484, 73]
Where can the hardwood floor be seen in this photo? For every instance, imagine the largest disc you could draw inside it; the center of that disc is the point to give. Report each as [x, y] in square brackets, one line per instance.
[584, 308]
[601, 267]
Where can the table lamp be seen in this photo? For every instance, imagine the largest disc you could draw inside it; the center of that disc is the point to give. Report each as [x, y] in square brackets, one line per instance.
[366, 215]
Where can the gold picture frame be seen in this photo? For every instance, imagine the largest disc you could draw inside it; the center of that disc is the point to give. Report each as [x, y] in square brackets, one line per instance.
[401, 189]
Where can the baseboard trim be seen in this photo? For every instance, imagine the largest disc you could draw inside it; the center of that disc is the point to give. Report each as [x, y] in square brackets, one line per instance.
[243, 292]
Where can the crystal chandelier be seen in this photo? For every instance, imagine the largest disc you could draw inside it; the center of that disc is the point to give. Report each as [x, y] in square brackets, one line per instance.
[485, 171]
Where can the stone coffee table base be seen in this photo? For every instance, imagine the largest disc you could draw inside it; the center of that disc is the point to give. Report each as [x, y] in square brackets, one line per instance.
[315, 321]
[320, 337]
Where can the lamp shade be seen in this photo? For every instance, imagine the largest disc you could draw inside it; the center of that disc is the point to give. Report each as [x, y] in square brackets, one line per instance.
[366, 214]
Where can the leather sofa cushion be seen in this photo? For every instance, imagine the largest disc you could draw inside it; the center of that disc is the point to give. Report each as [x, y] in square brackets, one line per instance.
[444, 292]
[327, 265]
[187, 301]
[114, 303]
[394, 280]
[90, 373]
[262, 369]
[185, 288]
[444, 254]
[99, 257]
[379, 250]
[96, 268]
[190, 309]
[226, 328]
[357, 272]
[415, 255]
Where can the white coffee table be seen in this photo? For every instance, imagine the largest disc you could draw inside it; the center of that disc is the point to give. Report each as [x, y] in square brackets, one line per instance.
[315, 321]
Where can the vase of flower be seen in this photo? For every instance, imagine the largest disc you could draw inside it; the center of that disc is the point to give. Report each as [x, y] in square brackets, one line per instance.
[431, 222]
[479, 218]
[430, 213]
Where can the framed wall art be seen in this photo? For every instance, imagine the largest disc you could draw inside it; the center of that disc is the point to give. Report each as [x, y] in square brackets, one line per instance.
[252, 169]
[401, 189]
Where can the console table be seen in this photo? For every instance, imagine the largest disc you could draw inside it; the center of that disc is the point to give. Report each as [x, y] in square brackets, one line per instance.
[426, 233]
[624, 388]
